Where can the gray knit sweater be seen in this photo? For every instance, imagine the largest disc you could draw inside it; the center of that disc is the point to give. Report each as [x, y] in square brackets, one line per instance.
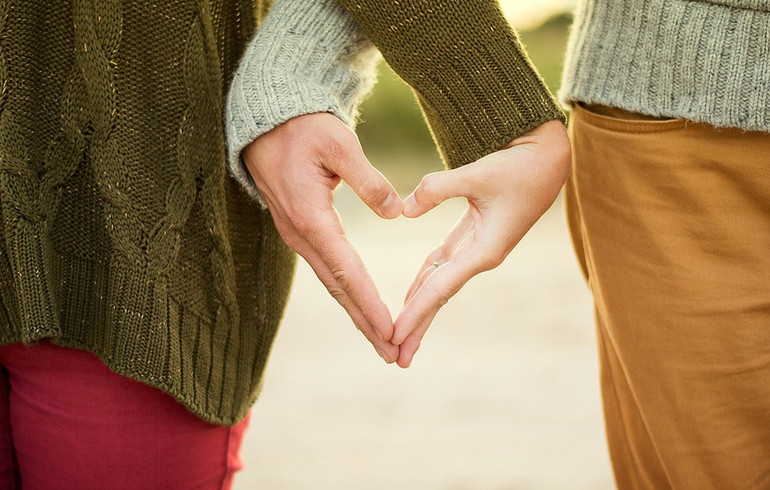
[707, 61]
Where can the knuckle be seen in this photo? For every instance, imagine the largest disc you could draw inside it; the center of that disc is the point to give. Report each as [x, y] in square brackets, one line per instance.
[304, 227]
[372, 190]
[491, 261]
[332, 148]
[336, 146]
[342, 278]
[298, 218]
[428, 189]
[338, 294]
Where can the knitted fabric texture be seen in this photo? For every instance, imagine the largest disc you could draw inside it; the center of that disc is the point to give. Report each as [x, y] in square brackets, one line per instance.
[308, 56]
[473, 80]
[706, 61]
[122, 232]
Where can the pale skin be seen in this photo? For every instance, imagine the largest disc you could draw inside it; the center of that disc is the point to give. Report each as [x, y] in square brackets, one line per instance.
[297, 166]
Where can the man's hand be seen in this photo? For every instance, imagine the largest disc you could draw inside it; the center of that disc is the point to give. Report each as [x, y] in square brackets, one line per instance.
[296, 167]
[507, 192]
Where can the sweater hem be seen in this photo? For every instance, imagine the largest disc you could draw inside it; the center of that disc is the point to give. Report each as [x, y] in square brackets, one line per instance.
[144, 333]
[144, 378]
[183, 398]
[672, 58]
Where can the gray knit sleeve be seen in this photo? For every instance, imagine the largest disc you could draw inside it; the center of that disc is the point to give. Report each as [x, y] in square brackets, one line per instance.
[308, 56]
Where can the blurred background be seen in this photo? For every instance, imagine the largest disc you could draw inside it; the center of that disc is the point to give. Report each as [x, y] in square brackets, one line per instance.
[503, 393]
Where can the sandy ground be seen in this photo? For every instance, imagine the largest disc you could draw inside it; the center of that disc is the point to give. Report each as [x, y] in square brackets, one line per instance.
[502, 395]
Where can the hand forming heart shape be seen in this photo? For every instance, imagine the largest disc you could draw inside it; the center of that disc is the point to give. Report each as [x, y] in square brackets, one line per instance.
[297, 166]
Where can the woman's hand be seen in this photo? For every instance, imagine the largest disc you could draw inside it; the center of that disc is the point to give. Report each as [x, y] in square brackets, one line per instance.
[296, 167]
[507, 192]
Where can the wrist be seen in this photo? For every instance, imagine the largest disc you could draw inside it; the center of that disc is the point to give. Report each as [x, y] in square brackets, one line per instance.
[307, 57]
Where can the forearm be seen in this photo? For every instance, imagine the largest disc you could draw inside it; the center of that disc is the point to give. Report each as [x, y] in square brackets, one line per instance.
[471, 75]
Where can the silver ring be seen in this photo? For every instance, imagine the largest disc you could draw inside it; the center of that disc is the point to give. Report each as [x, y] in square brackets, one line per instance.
[436, 264]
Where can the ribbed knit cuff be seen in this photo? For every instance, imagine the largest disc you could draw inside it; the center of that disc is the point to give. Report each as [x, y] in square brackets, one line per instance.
[307, 57]
[473, 80]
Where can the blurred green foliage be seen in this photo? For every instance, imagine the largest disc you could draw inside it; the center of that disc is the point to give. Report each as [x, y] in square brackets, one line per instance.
[393, 132]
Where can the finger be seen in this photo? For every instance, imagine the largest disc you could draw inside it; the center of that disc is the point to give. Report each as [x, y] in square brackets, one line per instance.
[385, 349]
[461, 232]
[410, 346]
[348, 272]
[436, 188]
[420, 312]
[412, 342]
[432, 295]
[350, 163]
[433, 262]
[318, 229]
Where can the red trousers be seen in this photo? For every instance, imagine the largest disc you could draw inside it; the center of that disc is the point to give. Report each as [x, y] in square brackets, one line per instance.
[67, 421]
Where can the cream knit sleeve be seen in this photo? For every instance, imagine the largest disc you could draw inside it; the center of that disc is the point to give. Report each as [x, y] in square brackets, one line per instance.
[308, 56]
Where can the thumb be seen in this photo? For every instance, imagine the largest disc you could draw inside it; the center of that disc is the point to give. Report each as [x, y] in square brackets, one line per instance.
[436, 188]
[366, 181]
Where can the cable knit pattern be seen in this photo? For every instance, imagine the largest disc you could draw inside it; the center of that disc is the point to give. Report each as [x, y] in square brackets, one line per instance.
[122, 233]
[307, 57]
[706, 61]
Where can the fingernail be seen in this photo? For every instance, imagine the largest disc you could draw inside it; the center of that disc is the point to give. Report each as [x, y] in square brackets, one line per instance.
[410, 204]
[391, 206]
